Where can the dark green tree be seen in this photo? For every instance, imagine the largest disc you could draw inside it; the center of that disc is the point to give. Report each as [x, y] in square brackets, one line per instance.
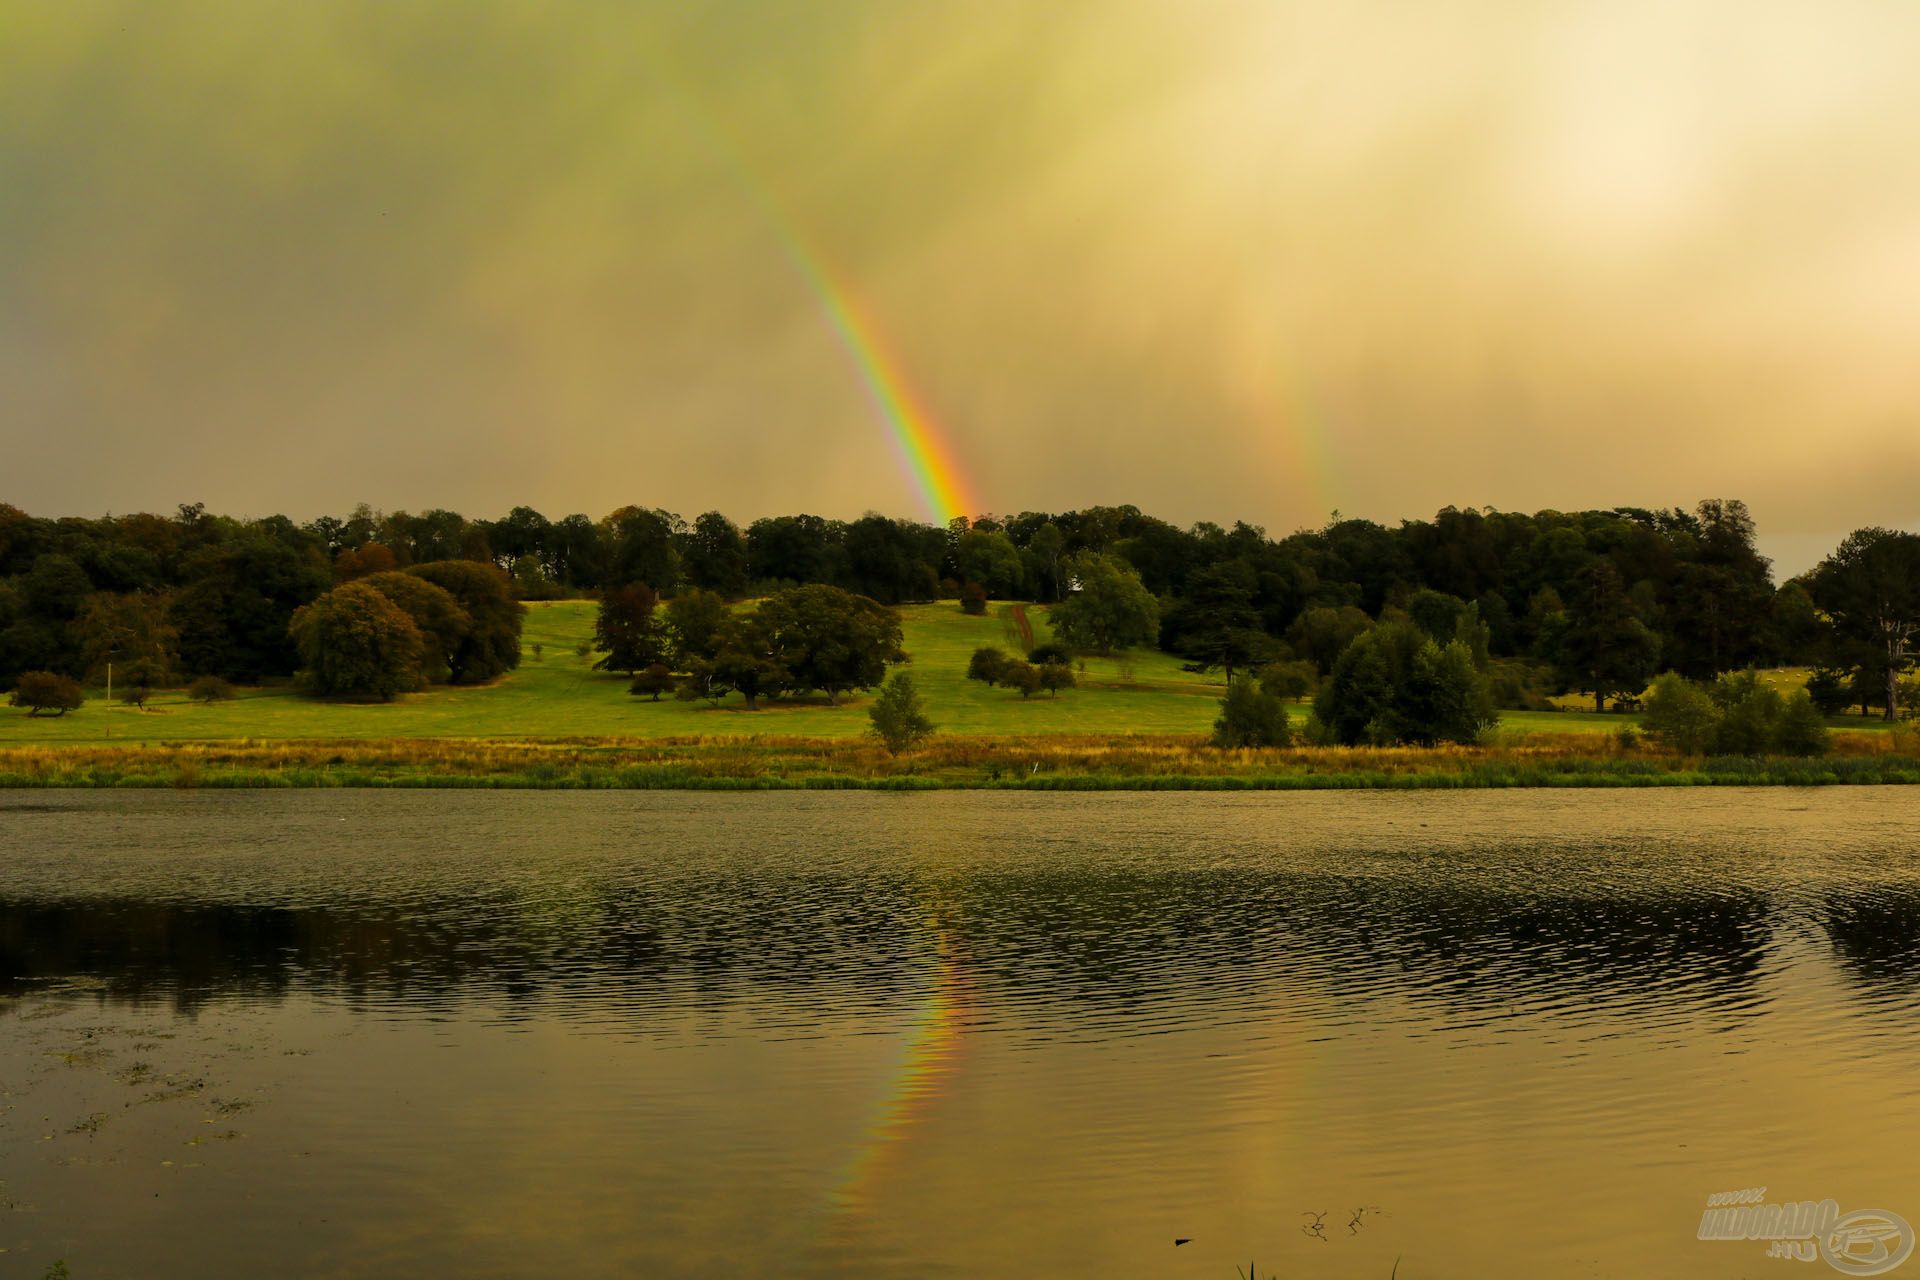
[491, 646]
[1216, 624]
[1394, 684]
[46, 693]
[714, 555]
[1870, 587]
[654, 679]
[695, 620]
[1600, 644]
[442, 623]
[627, 630]
[1109, 607]
[987, 665]
[354, 642]
[829, 639]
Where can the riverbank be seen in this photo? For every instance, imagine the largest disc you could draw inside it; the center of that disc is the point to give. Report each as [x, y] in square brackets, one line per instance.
[1052, 762]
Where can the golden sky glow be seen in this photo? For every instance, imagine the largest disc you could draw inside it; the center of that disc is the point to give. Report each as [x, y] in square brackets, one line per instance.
[1218, 259]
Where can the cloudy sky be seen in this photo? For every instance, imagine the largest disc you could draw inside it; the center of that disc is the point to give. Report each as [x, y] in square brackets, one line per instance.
[1222, 260]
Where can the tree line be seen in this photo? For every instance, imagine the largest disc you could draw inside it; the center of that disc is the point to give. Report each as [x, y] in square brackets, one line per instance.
[1597, 602]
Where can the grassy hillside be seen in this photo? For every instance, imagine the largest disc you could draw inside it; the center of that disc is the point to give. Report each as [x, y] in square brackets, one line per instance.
[557, 694]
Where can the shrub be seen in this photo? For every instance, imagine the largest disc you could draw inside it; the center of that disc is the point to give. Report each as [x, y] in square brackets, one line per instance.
[1680, 715]
[973, 599]
[1251, 716]
[989, 665]
[654, 679]
[1749, 715]
[43, 692]
[899, 719]
[1802, 730]
[210, 689]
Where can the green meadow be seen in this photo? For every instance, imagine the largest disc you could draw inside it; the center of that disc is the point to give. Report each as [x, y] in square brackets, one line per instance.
[556, 694]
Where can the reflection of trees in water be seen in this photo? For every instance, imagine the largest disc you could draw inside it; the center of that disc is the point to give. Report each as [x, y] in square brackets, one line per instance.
[1066, 947]
[1875, 932]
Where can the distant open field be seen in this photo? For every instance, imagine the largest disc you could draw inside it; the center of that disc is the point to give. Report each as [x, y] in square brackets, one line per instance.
[556, 694]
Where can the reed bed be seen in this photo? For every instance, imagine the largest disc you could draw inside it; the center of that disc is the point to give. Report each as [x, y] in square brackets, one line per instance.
[1047, 762]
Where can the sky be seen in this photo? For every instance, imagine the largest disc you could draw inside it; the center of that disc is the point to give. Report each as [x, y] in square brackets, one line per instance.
[1221, 260]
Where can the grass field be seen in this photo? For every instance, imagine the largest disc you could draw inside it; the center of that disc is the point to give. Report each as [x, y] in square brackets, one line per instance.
[556, 694]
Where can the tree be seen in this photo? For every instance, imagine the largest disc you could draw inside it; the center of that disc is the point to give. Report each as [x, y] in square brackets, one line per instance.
[363, 561]
[355, 642]
[1109, 609]
[987, 665]
[1321, 634]
[131, 631]
[1055, 676]
[1023, 676]
[1216, 624]
[208, 690]
[1680, 714]
[443, 624]
[46, 692]
[491, 646]
[1829, 690]
[829, 639]
[627, 630]
[1250, 716]
[655, 679]
[899, 718]
[989, 559]
[744, 662]
[1394, 684]
[1600, 644]
[973, 600]
[136, 695]
[1870, 587]
[694, 623]
[642, 546]
[714, 555]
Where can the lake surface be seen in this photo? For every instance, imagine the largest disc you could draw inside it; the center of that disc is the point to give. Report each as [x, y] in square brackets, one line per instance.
[1484, 1034]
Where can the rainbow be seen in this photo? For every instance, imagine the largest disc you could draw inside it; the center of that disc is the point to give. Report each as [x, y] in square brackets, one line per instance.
[928, 1062]
[923, 448]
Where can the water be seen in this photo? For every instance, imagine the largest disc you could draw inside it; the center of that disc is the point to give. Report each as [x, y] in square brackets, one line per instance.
[1485, 1034]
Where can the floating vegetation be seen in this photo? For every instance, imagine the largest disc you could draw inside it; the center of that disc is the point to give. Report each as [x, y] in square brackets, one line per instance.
[92, 1124]
[91, 1055]
[135, 1073]
[230, 1135]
